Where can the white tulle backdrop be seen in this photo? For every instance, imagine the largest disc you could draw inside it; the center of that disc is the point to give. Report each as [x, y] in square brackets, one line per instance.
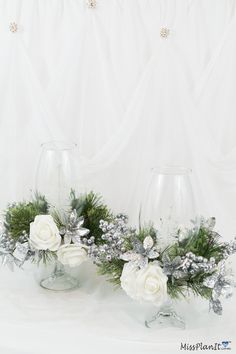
[106, 79]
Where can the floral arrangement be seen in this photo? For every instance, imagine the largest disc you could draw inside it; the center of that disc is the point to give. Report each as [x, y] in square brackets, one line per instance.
[34, 231]
[195, 262]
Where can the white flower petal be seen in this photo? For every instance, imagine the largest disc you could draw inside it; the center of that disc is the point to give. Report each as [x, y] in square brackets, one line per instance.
[145, 284]
[44, 233]
[72, 255]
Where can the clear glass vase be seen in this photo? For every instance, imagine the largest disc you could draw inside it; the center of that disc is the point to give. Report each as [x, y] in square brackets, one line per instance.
[57, 172]
[169, 202]
[170, 206]
[166, 316]
[56, 176]
[55, 277]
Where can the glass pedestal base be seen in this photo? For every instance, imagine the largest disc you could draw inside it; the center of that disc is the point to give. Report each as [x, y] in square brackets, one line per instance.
[166, 317]
[59, 280]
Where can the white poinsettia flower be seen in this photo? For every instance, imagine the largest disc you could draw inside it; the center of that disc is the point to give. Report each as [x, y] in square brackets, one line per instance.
[44, 233]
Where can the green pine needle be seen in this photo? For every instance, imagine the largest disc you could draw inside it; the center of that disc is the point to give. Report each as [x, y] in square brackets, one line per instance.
[112, 270]
[91, 207]
[19, 215]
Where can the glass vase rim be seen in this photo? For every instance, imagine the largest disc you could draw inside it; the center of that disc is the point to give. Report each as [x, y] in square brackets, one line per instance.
[58, 145]
[171, 170]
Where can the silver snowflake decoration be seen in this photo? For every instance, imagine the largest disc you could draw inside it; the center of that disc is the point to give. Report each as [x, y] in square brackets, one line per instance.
[143, 251]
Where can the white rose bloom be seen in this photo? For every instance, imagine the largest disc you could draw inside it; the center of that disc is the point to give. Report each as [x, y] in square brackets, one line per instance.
[72, 255]
[146, 284]
[44, 233]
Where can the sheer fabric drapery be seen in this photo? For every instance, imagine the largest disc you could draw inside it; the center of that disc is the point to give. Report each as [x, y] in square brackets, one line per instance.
[131, 99]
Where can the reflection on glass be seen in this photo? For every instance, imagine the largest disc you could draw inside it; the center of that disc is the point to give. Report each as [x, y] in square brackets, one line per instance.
[169, 202]
[56, 172]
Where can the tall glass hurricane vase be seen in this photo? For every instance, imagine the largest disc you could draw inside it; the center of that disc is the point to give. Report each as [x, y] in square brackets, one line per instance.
[169, 205]
[56, 172]
[56, 176]
[169, 202]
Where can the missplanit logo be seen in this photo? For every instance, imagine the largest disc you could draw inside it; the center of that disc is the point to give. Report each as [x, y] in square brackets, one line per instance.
[226, 344]
[223, 345]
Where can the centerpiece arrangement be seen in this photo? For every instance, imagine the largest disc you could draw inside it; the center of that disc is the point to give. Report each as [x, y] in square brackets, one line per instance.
[171, 255]
[194, 263]
[134, 259]
[33, 231]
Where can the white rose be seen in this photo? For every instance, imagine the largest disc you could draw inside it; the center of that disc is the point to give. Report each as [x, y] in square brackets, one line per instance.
[72, 255]
[44, 233]
[146, 284]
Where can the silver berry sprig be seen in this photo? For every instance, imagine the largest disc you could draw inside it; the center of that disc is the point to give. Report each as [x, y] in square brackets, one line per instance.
[193, 264]
[115, 234]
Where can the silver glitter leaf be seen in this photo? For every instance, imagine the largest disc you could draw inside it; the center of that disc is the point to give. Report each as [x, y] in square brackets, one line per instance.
[216, 306]
[130, 256]
[210, 223]
[210, 282]
[172, 267]
[142, 262]
[138, 246]
[9, 261]
[178, 274]
[79, 222]
[183, 234]
[152, 254]
[73, 217]
[67, 238]
[148, 242]
[21, 251]
[82, 231]
[176, 261]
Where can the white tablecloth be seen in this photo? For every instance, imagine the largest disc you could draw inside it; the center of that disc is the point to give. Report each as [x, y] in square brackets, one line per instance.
[96, 319]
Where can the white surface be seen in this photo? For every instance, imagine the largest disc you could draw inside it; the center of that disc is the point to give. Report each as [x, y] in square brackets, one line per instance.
[95, 318]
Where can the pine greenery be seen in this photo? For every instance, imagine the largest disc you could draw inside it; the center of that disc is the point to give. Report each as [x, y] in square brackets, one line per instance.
[45, 257]
[112, 270]
[18, 216]
[91, 207]
[203, 243]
